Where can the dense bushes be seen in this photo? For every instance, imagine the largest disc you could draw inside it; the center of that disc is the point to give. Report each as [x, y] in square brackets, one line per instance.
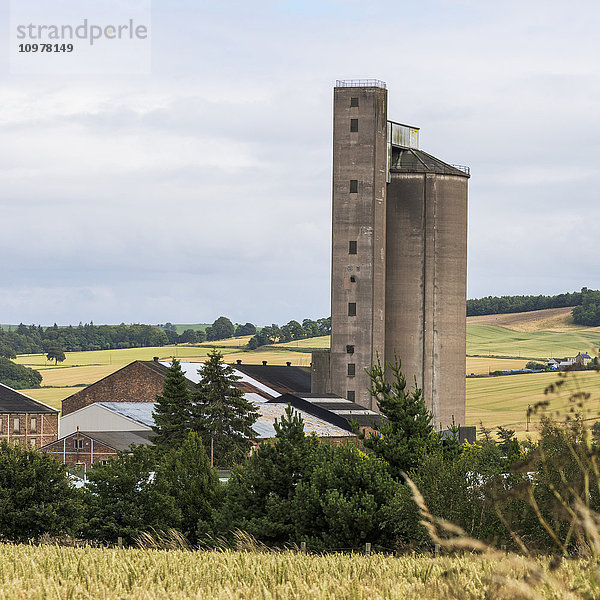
[17, 376]
[588, 313]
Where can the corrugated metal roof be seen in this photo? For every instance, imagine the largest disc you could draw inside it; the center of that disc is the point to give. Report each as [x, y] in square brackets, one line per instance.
[12, 401]
[264, 427]
[141, 412]
[190, 370]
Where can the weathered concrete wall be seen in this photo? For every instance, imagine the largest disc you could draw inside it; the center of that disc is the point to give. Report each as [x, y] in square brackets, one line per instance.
[426, 287]
[359, 217]
[320, 372]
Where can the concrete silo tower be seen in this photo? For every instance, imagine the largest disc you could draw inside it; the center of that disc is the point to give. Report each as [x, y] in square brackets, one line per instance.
[399, 258]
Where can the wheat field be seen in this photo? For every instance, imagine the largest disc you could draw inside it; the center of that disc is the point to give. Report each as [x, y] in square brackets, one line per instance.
[57, 573]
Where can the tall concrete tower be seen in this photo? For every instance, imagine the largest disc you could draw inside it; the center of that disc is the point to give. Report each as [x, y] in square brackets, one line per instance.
[399, 258]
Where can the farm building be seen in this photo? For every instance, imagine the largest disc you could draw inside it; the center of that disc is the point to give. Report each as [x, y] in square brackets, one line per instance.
[117, 405]
[25, 420]
[139, 381]
[109, 423]
[87, 448]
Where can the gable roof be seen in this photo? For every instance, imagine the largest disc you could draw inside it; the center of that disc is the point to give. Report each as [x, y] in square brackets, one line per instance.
[12, 401]
[282, 379]
[119, 440]
[334, 409]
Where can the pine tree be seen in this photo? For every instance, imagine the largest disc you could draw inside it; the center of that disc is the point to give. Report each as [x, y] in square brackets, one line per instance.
[221, 413]
[407, 430]
[185, 475]
[258, 497]
[172, 411]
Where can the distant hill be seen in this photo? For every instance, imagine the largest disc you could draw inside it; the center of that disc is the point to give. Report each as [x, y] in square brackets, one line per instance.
[549, 319]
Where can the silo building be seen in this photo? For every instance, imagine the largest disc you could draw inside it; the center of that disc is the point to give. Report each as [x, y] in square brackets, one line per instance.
[399, 258]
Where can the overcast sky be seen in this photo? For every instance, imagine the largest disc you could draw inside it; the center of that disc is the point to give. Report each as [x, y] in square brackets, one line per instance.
[204, 188]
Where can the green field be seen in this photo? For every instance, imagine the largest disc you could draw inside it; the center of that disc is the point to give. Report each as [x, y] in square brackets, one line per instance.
[504, 400]
[50, 572]
[489, 340]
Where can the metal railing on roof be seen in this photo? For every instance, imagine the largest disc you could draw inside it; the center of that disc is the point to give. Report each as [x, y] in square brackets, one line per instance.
[462, 168]
[360, 83]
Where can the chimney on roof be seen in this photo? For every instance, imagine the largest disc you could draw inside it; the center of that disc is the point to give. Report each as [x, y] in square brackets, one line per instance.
[238, 361]
[264, 363]
[289, 364]
[155, 359]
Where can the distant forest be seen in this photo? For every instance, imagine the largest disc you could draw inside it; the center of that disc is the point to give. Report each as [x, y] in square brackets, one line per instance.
[499, 305]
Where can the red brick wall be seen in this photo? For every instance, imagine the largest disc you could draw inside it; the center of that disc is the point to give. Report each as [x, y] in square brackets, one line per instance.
[46, 429]
[91, 451]
[134, 383]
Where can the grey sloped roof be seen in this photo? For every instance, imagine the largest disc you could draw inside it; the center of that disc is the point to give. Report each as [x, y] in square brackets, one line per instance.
[411, 160]
[280, 378]
[331, 408]
[141, 412]
[12, 401]
[120, 440]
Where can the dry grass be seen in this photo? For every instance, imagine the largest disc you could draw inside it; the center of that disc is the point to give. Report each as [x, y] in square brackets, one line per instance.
[557, 319]
[482, 366]
[49, 572]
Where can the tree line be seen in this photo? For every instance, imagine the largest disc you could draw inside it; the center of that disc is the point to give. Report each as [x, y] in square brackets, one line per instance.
[494, 305]
[295, 488]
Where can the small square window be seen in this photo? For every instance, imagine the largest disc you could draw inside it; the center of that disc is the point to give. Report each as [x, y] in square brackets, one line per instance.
[351, 395]
[352, 279]
[351, 309]
[352, 249]
[350, 349]
[354, 186]
[354, 125]
[351, 370]
[353, 102]
[78, 443]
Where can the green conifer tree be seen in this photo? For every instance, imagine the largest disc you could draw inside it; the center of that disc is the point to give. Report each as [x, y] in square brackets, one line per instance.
[221, 413]
[259, 495]
[186, 476]
[407, 430]
[172, 411]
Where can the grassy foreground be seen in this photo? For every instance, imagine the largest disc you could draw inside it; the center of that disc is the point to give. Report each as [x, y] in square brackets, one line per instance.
[59, 573]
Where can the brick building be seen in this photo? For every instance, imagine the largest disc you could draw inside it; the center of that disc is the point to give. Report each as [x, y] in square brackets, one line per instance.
[25, 420]
[87, 448]
[139, 381]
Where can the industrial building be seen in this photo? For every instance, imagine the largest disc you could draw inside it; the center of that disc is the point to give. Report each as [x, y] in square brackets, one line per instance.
[399, 258]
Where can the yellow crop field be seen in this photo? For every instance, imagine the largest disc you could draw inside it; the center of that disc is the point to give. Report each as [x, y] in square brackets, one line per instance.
[273, 357]
[118, 357]
[482, 366]
[42, 572]
[51, 396]
[84, 375]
